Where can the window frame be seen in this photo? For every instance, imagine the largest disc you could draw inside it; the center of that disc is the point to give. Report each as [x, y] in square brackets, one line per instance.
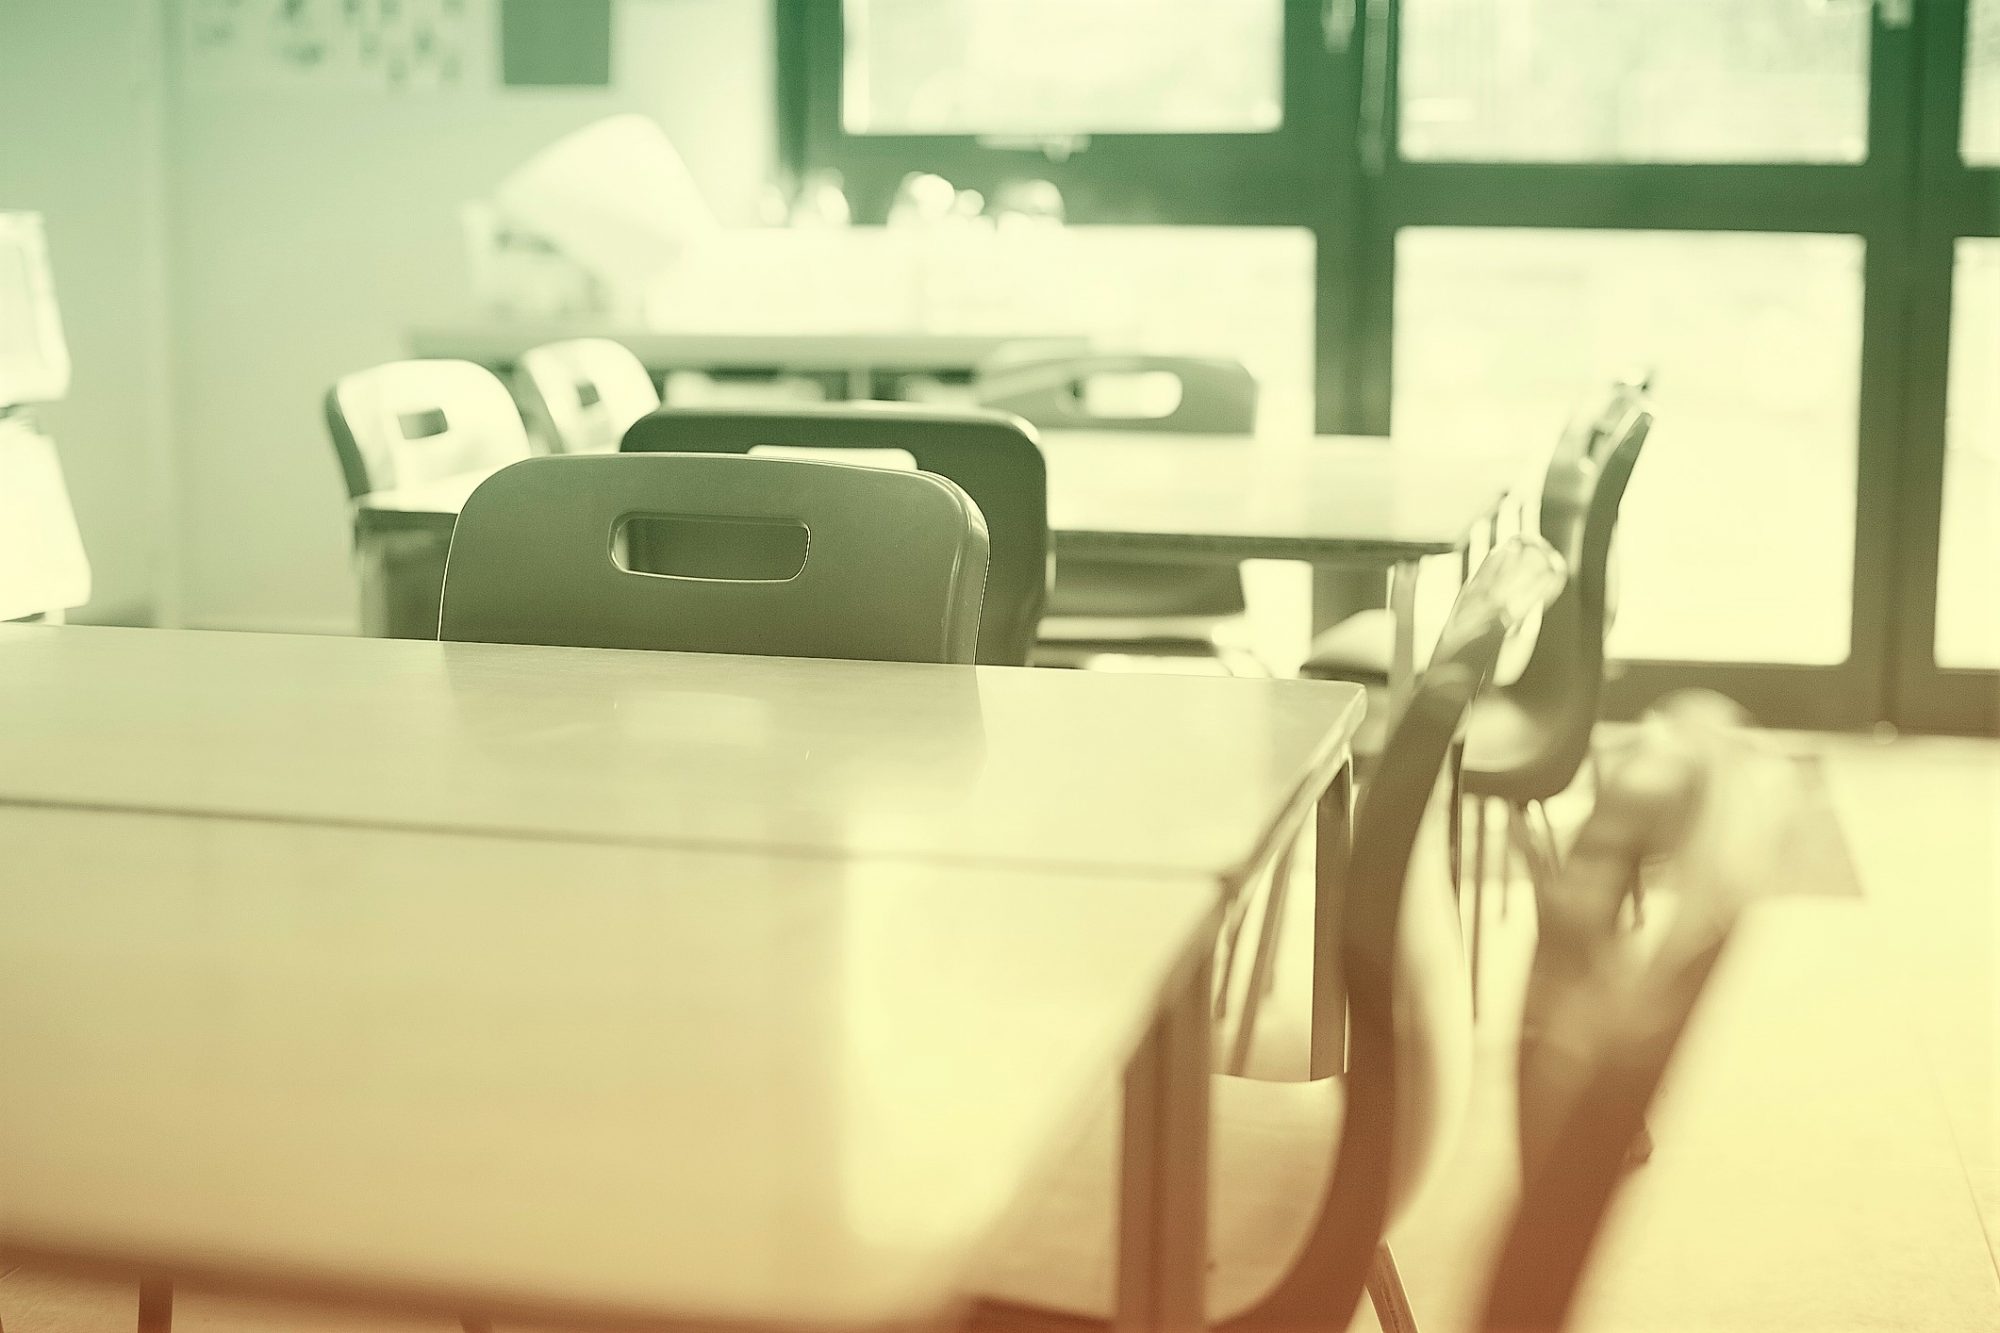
[1333, 168]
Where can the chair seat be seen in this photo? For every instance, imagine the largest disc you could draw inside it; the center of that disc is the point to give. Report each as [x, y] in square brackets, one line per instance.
[1132, 588]
[1272, 1152]
[1510, 754]
[1360, 648]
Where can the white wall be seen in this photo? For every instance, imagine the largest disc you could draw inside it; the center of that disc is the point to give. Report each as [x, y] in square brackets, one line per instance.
[310, 228]
[81, 99]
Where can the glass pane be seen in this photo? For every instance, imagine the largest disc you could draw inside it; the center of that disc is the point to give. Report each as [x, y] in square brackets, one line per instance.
[1737, 537]
[1979, 132]
[1635, 80]
[1968, 610]
[1063, 67]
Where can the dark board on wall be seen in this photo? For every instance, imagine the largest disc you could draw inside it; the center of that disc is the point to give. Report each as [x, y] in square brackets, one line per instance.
[555, 43]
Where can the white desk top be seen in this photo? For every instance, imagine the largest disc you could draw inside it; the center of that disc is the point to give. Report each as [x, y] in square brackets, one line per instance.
[540, 1081]
[1140, 495]
[1181, 775]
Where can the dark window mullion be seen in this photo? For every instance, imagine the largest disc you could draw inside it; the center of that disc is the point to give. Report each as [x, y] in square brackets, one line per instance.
[1785, 197]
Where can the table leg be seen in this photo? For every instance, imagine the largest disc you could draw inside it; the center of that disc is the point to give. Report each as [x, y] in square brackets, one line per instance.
[860, 383]
[156, 1306]
[1403, 606]
[1334, 839]
[1163, 1176]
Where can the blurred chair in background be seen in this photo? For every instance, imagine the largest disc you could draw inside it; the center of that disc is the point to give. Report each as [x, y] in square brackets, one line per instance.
[883, 565]
[403, 424]
[988, 454]
[1697, 805]
[1361, 646]
[1529, 738]
[580, 396]
[1114, 606]
[1308, 1178]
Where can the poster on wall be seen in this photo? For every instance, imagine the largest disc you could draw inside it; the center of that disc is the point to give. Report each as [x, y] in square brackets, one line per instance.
[337, 45]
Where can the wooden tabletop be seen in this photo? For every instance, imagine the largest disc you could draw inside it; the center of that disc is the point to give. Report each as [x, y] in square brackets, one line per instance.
[1140, 774]
[501, 344]
[541, 1081]
[1327, 499]
[1333, 500]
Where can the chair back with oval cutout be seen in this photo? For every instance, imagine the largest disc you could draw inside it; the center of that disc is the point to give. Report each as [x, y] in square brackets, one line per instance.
[886, 566]
[992, 456]
[408, 422]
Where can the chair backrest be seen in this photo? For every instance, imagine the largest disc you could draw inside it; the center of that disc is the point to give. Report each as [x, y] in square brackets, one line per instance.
[413, 421]
[1602, 1022]
[1217, 396]
[892, 564]
[43, 570]
[1408, 995]
[994, 457]
[1563, 681]
[583, 394]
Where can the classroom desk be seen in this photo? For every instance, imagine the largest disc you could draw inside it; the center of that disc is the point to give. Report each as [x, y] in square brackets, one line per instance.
[522, 1080]
[1335, 502]
[857, 356]
[1071, 772]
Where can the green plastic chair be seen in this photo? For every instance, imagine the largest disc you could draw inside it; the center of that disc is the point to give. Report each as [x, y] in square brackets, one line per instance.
[1308, 1178]
[414, 421]
[581, 395]
[1124, 605]
[992, 456]
[890, 566]
[401, 424]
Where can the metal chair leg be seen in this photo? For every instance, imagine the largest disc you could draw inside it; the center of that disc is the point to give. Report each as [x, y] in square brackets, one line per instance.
[1387, 1294]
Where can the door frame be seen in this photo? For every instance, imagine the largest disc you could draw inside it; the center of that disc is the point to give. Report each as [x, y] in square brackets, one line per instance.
[1951, 199]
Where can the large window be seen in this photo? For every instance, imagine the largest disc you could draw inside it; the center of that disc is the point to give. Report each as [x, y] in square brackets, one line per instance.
[1968, 611]
[1507, 202]
[1032, 68]
[1635, 80]
[1737, 538]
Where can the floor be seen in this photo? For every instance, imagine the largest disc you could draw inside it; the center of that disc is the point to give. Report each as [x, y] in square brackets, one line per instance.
[1828, 1146]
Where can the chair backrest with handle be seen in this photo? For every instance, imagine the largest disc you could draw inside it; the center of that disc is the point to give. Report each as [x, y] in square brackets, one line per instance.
[1693, 800]
[1217, 396]
[43, 569]
[994, 457]
[582, 395]
[891, 565]
[1408, 994]
[414, 421]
